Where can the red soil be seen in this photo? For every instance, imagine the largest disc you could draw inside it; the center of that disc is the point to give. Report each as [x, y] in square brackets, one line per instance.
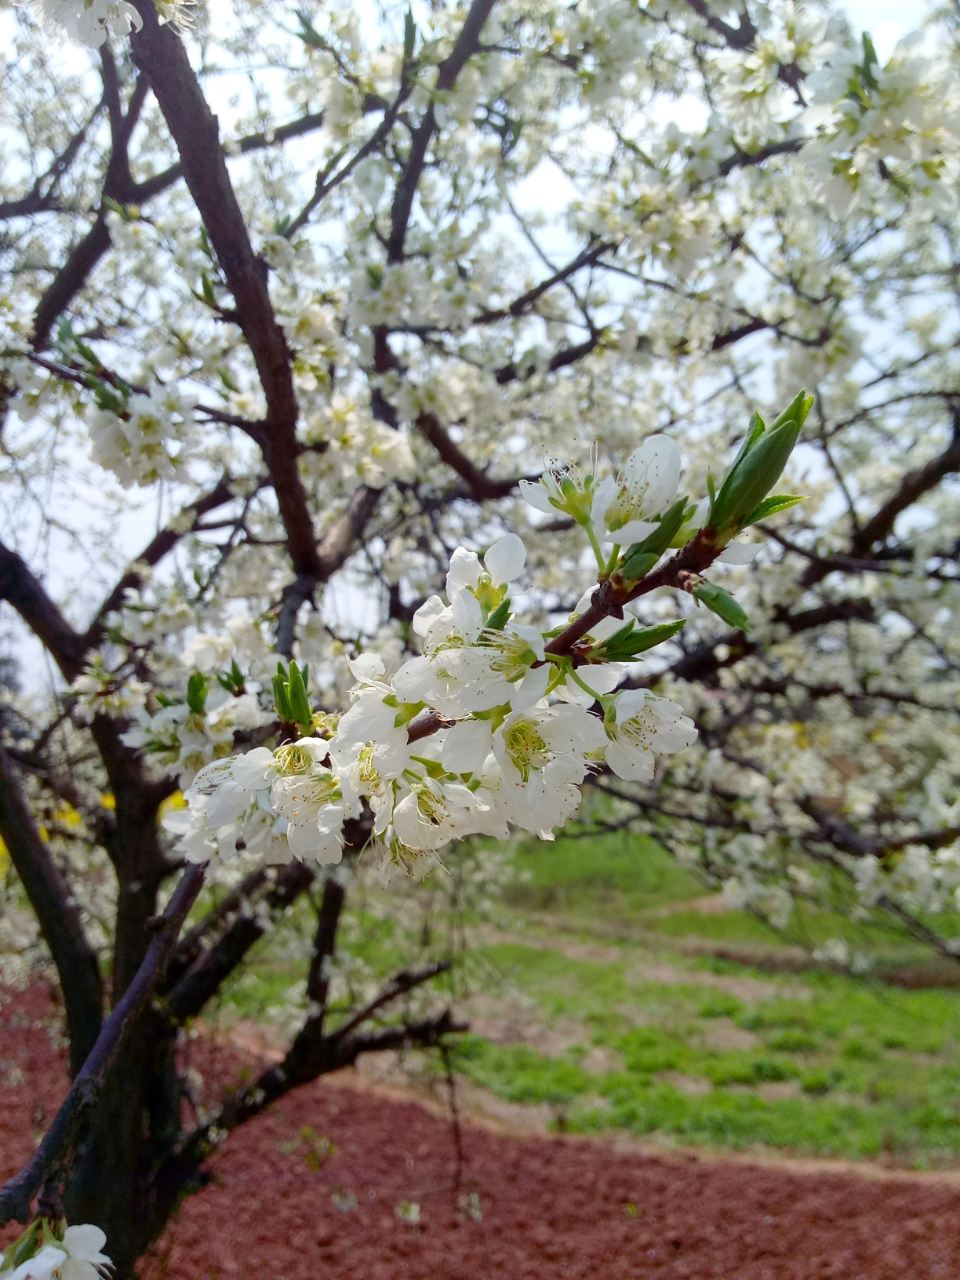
[549, 1207]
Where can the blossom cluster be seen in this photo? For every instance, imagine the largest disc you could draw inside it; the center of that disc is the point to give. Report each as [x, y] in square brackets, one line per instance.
[139, 442]
[489, 729]
[66, 1253]
[893, 123]
[91, 22]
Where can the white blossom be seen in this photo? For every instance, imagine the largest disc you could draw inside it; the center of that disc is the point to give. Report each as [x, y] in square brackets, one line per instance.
[642, 725]
[624, 505]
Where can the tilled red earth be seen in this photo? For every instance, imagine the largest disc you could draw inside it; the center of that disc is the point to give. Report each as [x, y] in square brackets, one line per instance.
[316, 1188]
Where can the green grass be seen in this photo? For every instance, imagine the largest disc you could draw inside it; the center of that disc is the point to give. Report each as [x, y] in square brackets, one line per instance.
[727, 1054]
[615, 875]
[630, 1024]
[848, 1092]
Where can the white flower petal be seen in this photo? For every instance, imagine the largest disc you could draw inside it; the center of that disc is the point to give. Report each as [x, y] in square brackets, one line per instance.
[42, 1266]
[467, 614]
[630, 764]
[226, 804]
[429, 612]
[464, 571]
[528, 691]
[84, 1244]
[632, 531]
[603, 494]
[251, 770]
[368, 666]
[533, 493]
[414, 681]
[655, 467]
[739, 553]
[467, 746]
[505, 559]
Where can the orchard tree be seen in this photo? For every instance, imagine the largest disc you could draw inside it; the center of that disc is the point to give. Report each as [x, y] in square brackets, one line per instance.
[347, 306]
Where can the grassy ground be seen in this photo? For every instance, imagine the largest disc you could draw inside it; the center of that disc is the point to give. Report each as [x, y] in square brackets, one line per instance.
[614, 995]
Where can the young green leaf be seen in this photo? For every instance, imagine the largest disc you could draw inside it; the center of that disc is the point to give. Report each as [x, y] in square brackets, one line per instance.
[197, 693]
[771, 506]
[409, 35]
[297, 696]
[624, 645]
[500, 616]
[637, 564]
[722, 604]
[755, 472]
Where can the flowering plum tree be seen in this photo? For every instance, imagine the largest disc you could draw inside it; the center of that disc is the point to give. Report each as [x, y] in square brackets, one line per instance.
[304, 310]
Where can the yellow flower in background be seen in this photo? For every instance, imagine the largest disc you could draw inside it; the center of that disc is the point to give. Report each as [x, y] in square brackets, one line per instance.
[172, 803]
[4, 859]
[67, 816]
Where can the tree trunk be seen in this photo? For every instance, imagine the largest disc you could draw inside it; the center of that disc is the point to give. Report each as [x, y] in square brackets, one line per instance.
[134, 1127]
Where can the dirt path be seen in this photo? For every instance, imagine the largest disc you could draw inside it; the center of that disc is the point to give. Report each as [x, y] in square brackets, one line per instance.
[325, 1184]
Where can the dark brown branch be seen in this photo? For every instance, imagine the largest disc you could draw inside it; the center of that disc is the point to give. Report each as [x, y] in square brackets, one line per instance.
[325, 944]
[398, 986]
[521, 304]
[464, 47]
[610, 596]
[912, 486]
[332, 552]
[746, 159]
[309, 1062]
[69, 280]
[159, 52]
[481, 485]
[207, 971]
[20, 587]
[251, 142]
[16, 1196]
[57, 915]
[741, 36]
[194, 941]
[607, 601]
[42, 198]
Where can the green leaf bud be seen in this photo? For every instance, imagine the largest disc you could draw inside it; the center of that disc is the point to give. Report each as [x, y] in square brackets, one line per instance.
[722, 604]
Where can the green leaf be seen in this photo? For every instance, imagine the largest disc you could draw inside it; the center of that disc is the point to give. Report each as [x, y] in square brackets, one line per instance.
[629, 641]
[771, 506]
[233, 680]
[637, 556]
[500, 616]
[756, 471]
[23, 1249]
[796, 411]
[197, 693]
[206, 246]
[308, 33]
[300, 710]
[637, 564]
[207, 292]
[871, 62]
[280, 695]
[409, 35]
[88, 353]
[722, 604]
[616, 639]
[755, 430]
[406, 712]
